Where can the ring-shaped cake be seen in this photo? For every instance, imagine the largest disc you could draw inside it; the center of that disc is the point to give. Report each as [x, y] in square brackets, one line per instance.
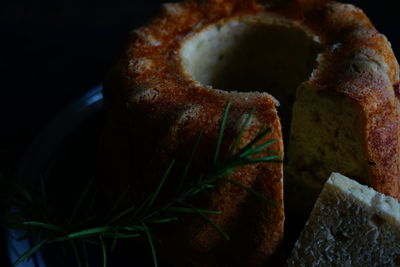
[320, 65]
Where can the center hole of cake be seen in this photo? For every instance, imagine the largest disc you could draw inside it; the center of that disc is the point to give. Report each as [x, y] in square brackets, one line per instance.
[251, 55]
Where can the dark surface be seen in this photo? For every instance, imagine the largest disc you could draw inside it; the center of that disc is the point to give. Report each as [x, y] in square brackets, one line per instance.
[50, 53]
[53, 51]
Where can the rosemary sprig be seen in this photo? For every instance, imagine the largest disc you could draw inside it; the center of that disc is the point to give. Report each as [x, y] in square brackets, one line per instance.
[221, 132]
[150, 239]
[138, 222]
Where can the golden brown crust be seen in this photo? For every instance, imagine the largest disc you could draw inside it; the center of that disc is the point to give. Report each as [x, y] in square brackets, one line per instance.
[151, 103]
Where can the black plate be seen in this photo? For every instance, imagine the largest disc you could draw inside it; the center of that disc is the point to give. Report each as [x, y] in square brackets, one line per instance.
[65, 154]
[65, 148]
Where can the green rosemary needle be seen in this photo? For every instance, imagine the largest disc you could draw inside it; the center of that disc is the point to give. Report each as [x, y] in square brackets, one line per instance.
[138, 221]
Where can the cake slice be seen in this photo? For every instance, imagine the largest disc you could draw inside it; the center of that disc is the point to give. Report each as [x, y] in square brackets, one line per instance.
[350, 225]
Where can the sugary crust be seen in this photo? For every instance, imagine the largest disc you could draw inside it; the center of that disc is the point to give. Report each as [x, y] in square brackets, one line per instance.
[156, 112]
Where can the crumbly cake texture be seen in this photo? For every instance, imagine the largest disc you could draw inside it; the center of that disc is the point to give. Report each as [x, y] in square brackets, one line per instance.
[168, 86]
[350, 225]
[355, 77]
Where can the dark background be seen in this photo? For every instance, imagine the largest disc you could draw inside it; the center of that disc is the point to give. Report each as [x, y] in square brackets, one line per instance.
[51, 52]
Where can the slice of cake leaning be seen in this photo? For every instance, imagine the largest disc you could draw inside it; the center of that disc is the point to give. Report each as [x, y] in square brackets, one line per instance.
[350, 225]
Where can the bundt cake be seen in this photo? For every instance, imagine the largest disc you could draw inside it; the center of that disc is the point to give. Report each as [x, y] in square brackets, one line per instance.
[320, 65]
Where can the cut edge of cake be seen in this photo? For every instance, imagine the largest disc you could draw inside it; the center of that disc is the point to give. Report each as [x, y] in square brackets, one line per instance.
[351, 225]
